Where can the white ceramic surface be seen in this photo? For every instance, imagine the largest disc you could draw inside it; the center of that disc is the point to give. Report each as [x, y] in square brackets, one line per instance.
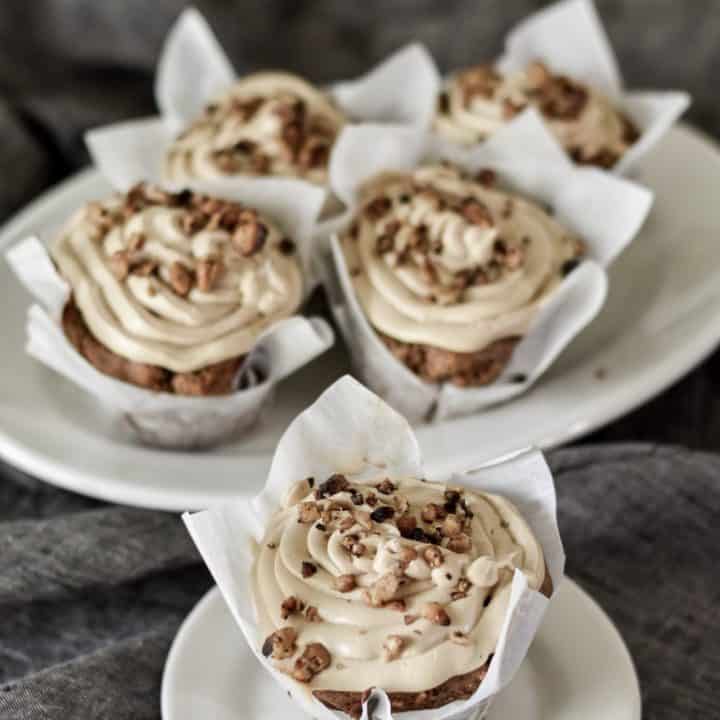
[578, 668]
[661, 319]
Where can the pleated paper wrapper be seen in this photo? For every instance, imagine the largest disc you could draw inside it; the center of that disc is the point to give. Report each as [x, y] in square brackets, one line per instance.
[165, 419]
[604, 210]
[350, 430]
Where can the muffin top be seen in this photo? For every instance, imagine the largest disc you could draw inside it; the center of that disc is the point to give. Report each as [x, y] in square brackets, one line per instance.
[266, 124]
[450, 261]
[397, 583]
[177, 280]
[479, 100]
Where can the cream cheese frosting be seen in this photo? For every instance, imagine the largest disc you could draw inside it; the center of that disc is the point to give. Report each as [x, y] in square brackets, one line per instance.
[444, 260]
[480, 100]
[397, 583]
[269, 123]
[180, 281]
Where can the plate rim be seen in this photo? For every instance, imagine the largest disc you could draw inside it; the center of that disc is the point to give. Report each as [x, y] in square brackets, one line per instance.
[213, 596]
[669, 369]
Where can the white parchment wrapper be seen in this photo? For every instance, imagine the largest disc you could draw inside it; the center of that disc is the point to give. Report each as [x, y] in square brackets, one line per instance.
[604, 210]
[351, 430]
[569, 37]
[165, 419]
[193, 70]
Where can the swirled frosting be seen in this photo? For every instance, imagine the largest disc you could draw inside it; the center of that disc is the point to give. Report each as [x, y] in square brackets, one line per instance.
[180, 281]
[479, 100]
[397, 583]
[440, 259]
[266, 124]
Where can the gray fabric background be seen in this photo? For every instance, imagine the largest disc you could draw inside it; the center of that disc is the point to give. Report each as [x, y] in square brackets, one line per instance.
[91, 595]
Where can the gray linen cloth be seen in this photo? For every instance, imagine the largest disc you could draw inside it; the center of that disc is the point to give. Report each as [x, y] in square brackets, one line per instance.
[91, 595]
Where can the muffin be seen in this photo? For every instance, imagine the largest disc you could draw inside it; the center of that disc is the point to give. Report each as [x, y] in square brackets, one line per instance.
[450, 270]
[479, 100]
[386, 582]
[170, 291]
[267, 124]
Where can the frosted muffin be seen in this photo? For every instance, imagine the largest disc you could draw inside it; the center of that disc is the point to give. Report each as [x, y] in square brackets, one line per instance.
[170, 291]
[269, 123]
[451, 270]
[393, 583]
[480, 100]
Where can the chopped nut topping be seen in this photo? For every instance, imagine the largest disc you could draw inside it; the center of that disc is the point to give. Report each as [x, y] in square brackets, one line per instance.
[393, 647]
[378, 207]
[358, 550]
[406, 524]
[208, 273]
[312, 614]
[382, 514]
[460, 543]
[334, 484]
[435, 613]
[314, 660]
[452, 526]
[386, 487]
[281, 644]
[291, 605]
[476, 212]
[249, 237]
[308, 569]
[384, 590]
[344, 583]
[348, 541]
[433, 556]
[181, 279]
[308, 512]
[120, 264]
[432, 512]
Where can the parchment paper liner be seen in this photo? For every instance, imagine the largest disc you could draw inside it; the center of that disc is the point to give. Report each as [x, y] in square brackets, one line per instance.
[349, 429]
[193, 69]
[164, 419]
[570, 38]
[604, 210]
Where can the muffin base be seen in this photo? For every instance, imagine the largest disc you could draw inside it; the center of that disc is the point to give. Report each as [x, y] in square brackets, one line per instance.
[436, 365]
[217, 379]
[459, 687]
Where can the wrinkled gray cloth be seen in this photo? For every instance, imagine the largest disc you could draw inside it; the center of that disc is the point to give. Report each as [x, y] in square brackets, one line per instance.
[92, 595]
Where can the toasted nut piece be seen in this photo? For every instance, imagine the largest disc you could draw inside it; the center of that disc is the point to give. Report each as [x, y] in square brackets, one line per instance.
[460, 638]
[308, 512]
[348, 541]
[476, 213]
[406, 524]
[344, 583]
[358, 550]
[291, 605]
[181, 279]
[407, 554]
[435, 613]
[386, 487]
[315, 659]
[460, 543]
[120, 264]
[393, 647]
[249, 237]
[281, 644]
[208, 273]
[346, 521]
[433, 556]
[452, 526]
[312, 614]
[384, 590]
[308, 569]
[432, 512]
[371, 499]
[334, 484]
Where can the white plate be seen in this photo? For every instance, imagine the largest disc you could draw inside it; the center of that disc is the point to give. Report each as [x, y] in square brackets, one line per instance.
[578, 668]
[661, 319]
